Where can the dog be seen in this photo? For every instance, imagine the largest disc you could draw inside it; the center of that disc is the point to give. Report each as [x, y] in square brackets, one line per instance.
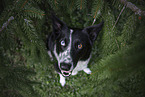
[71, 47]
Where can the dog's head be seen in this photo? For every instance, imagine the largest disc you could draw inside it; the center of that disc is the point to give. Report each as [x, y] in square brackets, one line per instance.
[72, 45]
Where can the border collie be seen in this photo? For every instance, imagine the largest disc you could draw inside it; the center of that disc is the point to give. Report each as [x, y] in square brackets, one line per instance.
[71, 47]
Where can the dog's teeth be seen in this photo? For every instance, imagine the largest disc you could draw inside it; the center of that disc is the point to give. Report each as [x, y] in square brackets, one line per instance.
[66, 73]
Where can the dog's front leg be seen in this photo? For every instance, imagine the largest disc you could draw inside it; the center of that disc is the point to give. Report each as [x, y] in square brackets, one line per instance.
[62, 80]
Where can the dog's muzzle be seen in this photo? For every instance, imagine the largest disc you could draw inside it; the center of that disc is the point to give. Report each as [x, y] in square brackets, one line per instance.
[66, 68]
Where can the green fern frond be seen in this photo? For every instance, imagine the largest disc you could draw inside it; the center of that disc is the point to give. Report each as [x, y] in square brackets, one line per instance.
[33, 12]
[97, 7]
[81, 4]
[109, 44]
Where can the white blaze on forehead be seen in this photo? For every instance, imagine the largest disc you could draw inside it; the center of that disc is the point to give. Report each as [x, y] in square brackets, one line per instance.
[65, 55]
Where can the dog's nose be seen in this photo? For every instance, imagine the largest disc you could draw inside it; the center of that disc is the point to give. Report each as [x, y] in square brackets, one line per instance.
[65, 66]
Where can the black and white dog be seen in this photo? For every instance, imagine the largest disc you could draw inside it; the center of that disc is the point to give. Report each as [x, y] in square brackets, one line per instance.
[71, 47]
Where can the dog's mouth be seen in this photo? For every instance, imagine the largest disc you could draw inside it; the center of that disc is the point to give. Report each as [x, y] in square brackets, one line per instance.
[66, 73]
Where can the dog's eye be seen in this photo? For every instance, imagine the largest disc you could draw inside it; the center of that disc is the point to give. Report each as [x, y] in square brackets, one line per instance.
[80, 46]
[63, 43]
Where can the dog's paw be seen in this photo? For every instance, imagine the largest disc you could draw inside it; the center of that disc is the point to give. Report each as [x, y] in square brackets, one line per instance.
[87, 70]
[62, 80]
[74, 72]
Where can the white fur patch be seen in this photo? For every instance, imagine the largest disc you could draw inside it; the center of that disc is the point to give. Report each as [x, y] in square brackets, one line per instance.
[50, 55]
[82, 65]
[62, 80]
[64, 56]
[87, 70]
[56, 55]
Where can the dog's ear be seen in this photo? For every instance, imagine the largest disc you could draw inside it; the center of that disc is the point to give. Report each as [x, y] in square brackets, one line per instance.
[93, 31]
[57, 25]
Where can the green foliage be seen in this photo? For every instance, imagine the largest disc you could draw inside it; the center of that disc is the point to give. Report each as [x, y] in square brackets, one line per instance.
[117, 62]
[109, 43]
[120, 73]
[14, 82]
[14, 75]
[97, 7]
